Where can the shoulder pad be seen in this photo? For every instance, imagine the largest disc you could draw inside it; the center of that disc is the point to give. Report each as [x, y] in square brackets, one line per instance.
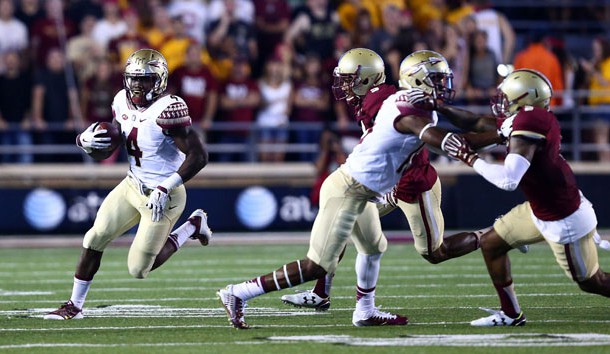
[174, 115]
[407, 109]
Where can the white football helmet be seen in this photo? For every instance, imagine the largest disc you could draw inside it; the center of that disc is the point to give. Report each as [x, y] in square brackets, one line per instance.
[428, 71]
[523, 87]
[145, 76]
[357, 72]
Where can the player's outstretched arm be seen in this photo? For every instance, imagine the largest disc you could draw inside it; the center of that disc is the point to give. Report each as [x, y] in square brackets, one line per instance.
[467, 120]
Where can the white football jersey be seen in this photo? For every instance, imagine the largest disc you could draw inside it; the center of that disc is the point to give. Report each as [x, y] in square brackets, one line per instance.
[153, 156]
[384, 153]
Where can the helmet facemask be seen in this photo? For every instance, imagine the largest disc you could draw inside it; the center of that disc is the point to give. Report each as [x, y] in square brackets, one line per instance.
[145, 77]
[523, 87]
[343, 85]
[141, 88]
[358, 71]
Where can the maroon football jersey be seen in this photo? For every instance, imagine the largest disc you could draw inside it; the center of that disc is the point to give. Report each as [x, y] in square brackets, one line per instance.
[420, 176]
[549, 184]
[194, 86]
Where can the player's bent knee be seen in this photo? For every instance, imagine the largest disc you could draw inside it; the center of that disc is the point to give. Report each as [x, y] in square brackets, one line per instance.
[434, 258]
[138, 272]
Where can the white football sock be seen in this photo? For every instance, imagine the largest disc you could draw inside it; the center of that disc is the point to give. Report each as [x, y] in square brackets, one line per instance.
[328, 283]
[183, 232]
[248, 289]
[367, 270]
[79, 292]
[367, 273]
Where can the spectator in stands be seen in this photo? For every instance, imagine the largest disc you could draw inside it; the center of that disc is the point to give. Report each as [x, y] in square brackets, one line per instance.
[14, 33]
[311, 103]
[272, 117]
[455, 49]
[363, 30]
[598, 72]
[79, 9]
[194, 82]
[174, 47]
[239, 97]
[330, 156]
[121, 47]
[46, 35]
[15, 99]
[384, 37]
[81, 49]
[161, 28]
[500, 33]
[55, 108]
[314, 28]
[111, 26]
[28, 12]
[98, 91]
[483, 77]
[244, 10]
[194, 15]
[272, 21]
[230, 30]
[537, 56]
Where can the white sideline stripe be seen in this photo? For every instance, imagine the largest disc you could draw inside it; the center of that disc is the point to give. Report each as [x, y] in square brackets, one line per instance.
[120, 345]
[157, 311]
[335, 287]
[122, 271]
[459, 340]
[422, 296]
[109, 280]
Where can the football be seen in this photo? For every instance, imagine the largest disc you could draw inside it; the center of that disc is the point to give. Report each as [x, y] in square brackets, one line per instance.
[115, 140]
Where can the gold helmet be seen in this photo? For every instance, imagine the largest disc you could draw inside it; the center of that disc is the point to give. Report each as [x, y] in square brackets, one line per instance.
[145, 76]
[523, 87]
[429, 71]
[358, 70]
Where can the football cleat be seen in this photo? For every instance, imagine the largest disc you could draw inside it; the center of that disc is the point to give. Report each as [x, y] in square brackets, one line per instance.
[199, 218]
[378, 318]
[67, 311]
[498, 318]
[234, 307]
[308, 299]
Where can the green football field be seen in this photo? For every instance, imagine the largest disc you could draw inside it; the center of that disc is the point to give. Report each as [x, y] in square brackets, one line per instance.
[176, 310]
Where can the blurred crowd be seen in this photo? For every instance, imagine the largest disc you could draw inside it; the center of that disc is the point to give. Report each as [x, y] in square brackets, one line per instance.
[259, 71]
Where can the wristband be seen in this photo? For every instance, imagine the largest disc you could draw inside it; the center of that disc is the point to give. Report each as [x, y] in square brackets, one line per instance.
[426, 127]
[171, 182]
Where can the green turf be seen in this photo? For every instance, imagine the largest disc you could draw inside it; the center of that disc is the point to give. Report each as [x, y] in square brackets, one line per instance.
[175, 310]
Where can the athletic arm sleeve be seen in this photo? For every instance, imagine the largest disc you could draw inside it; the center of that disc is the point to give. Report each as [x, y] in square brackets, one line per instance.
[507, 176]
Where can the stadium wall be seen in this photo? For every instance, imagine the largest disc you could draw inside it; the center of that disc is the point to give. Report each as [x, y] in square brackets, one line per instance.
[63, 199]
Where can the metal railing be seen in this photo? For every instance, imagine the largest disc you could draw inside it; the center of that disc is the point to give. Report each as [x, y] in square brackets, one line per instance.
[574, 122]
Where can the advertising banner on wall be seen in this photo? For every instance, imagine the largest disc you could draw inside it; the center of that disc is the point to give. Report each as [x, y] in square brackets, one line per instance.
[467, 203]
[256, 208]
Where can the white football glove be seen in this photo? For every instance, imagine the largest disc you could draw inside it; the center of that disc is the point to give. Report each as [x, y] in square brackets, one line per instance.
[418, 98]
[457, 147]
[506, 128]
[156, 202]
[90, 140]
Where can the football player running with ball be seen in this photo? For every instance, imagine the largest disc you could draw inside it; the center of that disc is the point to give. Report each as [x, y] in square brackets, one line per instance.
[555, 211]
[370, 171]
[418, 192]
[163, 154]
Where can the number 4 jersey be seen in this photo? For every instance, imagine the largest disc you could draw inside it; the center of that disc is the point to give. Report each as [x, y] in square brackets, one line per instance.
[153, 156]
